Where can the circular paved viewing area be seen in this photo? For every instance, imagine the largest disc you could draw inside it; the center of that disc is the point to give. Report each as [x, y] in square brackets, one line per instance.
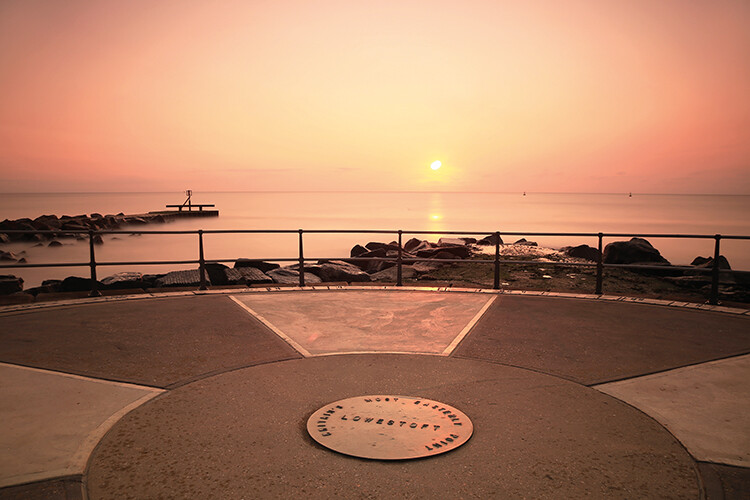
[208, 394]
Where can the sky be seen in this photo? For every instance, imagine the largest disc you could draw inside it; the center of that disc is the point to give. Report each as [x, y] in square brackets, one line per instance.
[538, 95]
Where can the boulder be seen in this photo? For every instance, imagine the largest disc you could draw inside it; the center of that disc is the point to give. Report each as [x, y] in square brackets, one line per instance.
[337, 270]
[357, 251]
[247, 276]
[77, 284]
[10, 284]
[637, 250]
[8, 256]
[413, 243]
[124, 280]
[98, 239]
[524, 242]
[453, 252]
[257, 264]
[708, 262]
[181, 278]
[4, 238]
[582, 252]
[444, 242]
[287, 276]
[391, 274]
[217, 273]
[374, 245]
[492, 239]
[54, 243]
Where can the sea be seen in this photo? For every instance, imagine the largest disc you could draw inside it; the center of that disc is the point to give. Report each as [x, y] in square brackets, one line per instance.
[527, 213]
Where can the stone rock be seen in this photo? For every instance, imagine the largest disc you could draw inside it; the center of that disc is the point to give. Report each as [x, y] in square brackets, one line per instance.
[390, 274]
[8, 256]
[124, 280]
[181, 278]
[357, 250]
[4, 238]
[54, 243]
[637, 250]
[337, 270]
[257, 264]
[412, 244]
[374, 245]
[444, 242]
[492, 239]
[77, 284]
[426, 267]
[247, 276]
[98, 239]
[136, 220]
[217, 273]
[10, 284]
[708, 262]
[457, 252]
[582, 252]
[524, 242]
[286, 276]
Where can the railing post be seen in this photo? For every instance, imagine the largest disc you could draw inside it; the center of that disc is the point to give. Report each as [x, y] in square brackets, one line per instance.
[202, 261]
[714, 297]
[399, 275]
[92, 263]
[496, 284]
[301, 262]
[599, 267]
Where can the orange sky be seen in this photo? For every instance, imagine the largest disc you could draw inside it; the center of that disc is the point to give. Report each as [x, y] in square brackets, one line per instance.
[538, 95]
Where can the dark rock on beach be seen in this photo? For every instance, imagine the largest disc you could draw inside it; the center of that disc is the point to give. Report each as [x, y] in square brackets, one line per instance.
[492, 239]
[450, 252]
[257, 264]
[708, 262]
[181, 278]
[247, 276]
[10, 284]
[77, 284]
[337, 270]
[287, 276]
[524, 242]
[125, 280]
[637, 250]
[357, 251]
[582, 252]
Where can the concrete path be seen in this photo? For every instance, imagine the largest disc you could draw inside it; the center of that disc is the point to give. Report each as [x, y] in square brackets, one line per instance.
[243, 371]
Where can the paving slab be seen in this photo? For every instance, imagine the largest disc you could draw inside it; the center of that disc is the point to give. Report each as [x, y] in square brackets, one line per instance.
[706, 406]
[331, 322]
[158, 342]
[52, 421]
[601, 341]
[242, 434]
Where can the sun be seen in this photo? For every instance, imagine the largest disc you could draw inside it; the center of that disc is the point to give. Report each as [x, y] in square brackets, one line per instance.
[436, 165]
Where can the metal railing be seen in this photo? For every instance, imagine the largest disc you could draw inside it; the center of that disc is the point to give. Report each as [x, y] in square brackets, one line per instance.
[399, 261]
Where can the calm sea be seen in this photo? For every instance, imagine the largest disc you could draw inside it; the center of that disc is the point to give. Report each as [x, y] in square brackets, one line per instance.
[485, 212]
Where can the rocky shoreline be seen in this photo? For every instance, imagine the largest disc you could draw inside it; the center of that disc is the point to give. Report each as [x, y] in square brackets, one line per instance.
[447, 261]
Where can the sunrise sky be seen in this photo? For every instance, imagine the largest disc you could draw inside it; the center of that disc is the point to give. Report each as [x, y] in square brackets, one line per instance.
[540, 95]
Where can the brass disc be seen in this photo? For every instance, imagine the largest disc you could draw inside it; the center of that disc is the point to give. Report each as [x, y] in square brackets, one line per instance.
[385, 427]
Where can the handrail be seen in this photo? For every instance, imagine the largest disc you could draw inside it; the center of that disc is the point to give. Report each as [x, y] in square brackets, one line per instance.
[400, 260]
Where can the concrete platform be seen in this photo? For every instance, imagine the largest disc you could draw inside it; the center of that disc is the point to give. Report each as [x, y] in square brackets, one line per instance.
[564, 394]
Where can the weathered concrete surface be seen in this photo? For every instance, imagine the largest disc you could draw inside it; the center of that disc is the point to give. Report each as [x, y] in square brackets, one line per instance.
[355, 321]
[156, 342]
[51, 421]
[597, 341]
[707, 407]
[242, 435]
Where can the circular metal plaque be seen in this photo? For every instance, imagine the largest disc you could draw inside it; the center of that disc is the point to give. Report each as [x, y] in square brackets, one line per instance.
[389, 427]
